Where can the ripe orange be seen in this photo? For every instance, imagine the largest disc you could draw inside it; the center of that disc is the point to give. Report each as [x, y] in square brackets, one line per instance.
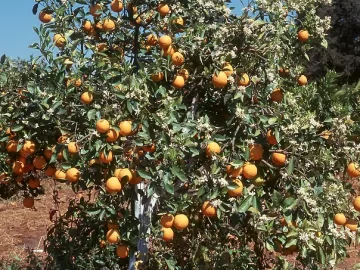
[238, 191]
[208, 210]
[165, 42]
[112, 225]
[78, 82]
[131, 7]
[151, 40]
[87, 26]
[228, 69]
[181, 221]
[302, 80]
[73, 148]
[256, 151]
[136, 179]
[94, 10]
[277, 95]
[102, 243]
[102, 47]
[62, 139]
[28, 202]
[149, 148]
[244, 80]
[86, 97]
[219, 80]
[18, 167]
[45, 17]
[72, 175]
[11, 146]
[177, 59]
[116, 6]
[284, 72]
[102, 126]
[249, 171]
[353, 170]
[33, 182]
[270, 137]
[167, 220]
[108, 25]
[351, 224]
[339, 219]
[10, 133]
[50, 171]
[106, 159]
[39, 162]
[184, 73]
[178, 82]
[278, 159]
[113, 236]
[179, 21]
[59, 174]
[125, 128]
[212, 148]
[168, 234]
[157, 77]
[168, 51]
[303, 35]
[122, 251]
[163, 9]
[59, 40]
[112, 135]
[356, 203]
[120, 173]
[113, 185]
[48, 153]
[232, 172]
[29, 147]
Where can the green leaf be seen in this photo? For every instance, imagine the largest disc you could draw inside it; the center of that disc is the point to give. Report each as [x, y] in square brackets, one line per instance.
[324, 43]
[237, 163]
[91, 114]
[169, 188]
[247, 153]
[290, 243]
[289, 203]
[272, 120]
[93, 212]
[65, 166]
[201, 191]
[291, 166]
[339, 94]
[321, 255]
[17, 128]
[179, 173]
[245, 205]
[277, 198]
[102, 214]
[144, 174]
[170, 263]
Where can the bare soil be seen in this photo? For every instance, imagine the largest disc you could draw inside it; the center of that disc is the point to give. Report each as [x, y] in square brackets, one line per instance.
[23, 230]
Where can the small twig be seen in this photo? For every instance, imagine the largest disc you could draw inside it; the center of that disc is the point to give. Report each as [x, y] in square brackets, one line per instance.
[233, 140]
[194, 105]
[268, 164]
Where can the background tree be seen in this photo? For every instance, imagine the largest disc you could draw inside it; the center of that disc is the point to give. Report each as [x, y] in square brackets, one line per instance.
[343, 50]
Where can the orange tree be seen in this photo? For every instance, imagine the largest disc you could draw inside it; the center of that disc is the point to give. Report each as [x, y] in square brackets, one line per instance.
[194, 131]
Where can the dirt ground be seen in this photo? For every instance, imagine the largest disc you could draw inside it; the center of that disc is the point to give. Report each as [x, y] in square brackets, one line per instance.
[24, 229]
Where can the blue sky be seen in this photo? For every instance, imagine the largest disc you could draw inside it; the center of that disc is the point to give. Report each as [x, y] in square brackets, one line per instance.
[17, 23]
